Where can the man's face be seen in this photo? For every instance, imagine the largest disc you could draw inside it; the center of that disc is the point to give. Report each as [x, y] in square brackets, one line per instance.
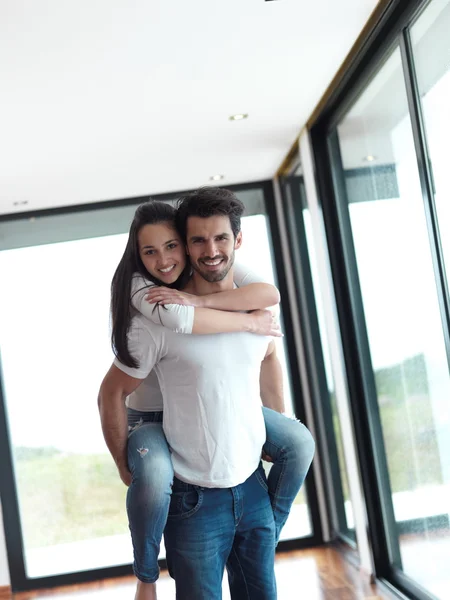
[211, 245]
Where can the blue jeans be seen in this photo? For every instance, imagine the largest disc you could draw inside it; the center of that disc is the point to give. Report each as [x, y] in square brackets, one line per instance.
[210, 528]
[148, 496]
[291, 446]
[289, 443]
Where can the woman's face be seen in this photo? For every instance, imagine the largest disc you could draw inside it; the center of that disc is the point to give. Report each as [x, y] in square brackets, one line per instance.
[162, 251]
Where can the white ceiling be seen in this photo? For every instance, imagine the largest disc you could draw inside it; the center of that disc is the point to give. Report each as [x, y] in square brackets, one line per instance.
[107, 99]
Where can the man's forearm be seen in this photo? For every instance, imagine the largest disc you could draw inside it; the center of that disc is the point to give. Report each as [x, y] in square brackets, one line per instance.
[271, 383]
[113, 415]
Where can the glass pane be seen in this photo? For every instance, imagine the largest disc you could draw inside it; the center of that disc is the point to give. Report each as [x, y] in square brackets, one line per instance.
[55, 350]
[431, 48]
[348, 527]
[403, 320]
[54, 331]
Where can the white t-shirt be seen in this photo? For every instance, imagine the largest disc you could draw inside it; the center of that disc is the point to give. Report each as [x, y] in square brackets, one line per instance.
[212, 406]
[180, 319]
[174, 316]
[147, 397]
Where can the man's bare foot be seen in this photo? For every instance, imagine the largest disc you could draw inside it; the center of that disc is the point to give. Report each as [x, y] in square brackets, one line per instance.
[145, 591]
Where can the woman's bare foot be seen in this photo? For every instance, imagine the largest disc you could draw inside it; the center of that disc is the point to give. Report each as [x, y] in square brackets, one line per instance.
[145, 591]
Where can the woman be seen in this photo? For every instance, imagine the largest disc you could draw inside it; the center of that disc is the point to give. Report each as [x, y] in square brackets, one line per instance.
[155, 255]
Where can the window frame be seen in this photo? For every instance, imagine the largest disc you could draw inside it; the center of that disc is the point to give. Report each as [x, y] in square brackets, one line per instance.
[391, 31]
[8, 489]
[294, 202]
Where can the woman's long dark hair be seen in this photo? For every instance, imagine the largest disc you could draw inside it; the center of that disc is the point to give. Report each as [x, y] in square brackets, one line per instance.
[149, 213]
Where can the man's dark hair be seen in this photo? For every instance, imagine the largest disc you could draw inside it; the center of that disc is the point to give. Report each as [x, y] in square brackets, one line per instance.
[209, 202]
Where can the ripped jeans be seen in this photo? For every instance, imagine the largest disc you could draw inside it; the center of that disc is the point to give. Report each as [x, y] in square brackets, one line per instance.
[288, 443]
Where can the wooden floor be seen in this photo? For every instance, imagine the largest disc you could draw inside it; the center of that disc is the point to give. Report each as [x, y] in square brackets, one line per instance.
[313, 574]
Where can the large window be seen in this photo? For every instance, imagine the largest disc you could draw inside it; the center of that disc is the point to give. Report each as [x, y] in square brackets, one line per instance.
[392, 259]
[55, 349]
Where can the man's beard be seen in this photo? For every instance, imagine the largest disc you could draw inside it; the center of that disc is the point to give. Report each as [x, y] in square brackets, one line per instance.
[215, 276]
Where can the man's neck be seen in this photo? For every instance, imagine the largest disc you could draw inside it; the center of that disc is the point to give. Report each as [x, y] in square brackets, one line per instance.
[200, 287]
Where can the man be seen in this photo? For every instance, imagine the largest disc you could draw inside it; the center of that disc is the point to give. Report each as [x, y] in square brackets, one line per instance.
[220, 512]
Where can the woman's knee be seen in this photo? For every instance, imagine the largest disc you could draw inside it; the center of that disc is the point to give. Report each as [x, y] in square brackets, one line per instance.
[289, 436]
[301, 441]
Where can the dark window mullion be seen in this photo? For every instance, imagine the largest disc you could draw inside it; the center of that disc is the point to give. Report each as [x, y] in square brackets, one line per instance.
[426, 182]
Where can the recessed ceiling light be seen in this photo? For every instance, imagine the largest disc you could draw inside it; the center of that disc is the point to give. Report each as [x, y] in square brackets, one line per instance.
[238, 117]
[216, 177]
[370, 158]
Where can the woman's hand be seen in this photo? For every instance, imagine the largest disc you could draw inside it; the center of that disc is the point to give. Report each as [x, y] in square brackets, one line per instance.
[163, 295]
[264, 322]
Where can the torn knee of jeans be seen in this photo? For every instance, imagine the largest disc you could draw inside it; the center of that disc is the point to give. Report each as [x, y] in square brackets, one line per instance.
[142, 452]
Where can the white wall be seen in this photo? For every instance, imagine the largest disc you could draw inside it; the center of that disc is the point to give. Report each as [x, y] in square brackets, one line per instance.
[4, 570]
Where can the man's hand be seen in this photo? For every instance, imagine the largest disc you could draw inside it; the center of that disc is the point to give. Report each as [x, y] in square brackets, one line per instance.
[125, 474]
[271, 380]
[264, 322]
[116, 386]
[163, 295]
